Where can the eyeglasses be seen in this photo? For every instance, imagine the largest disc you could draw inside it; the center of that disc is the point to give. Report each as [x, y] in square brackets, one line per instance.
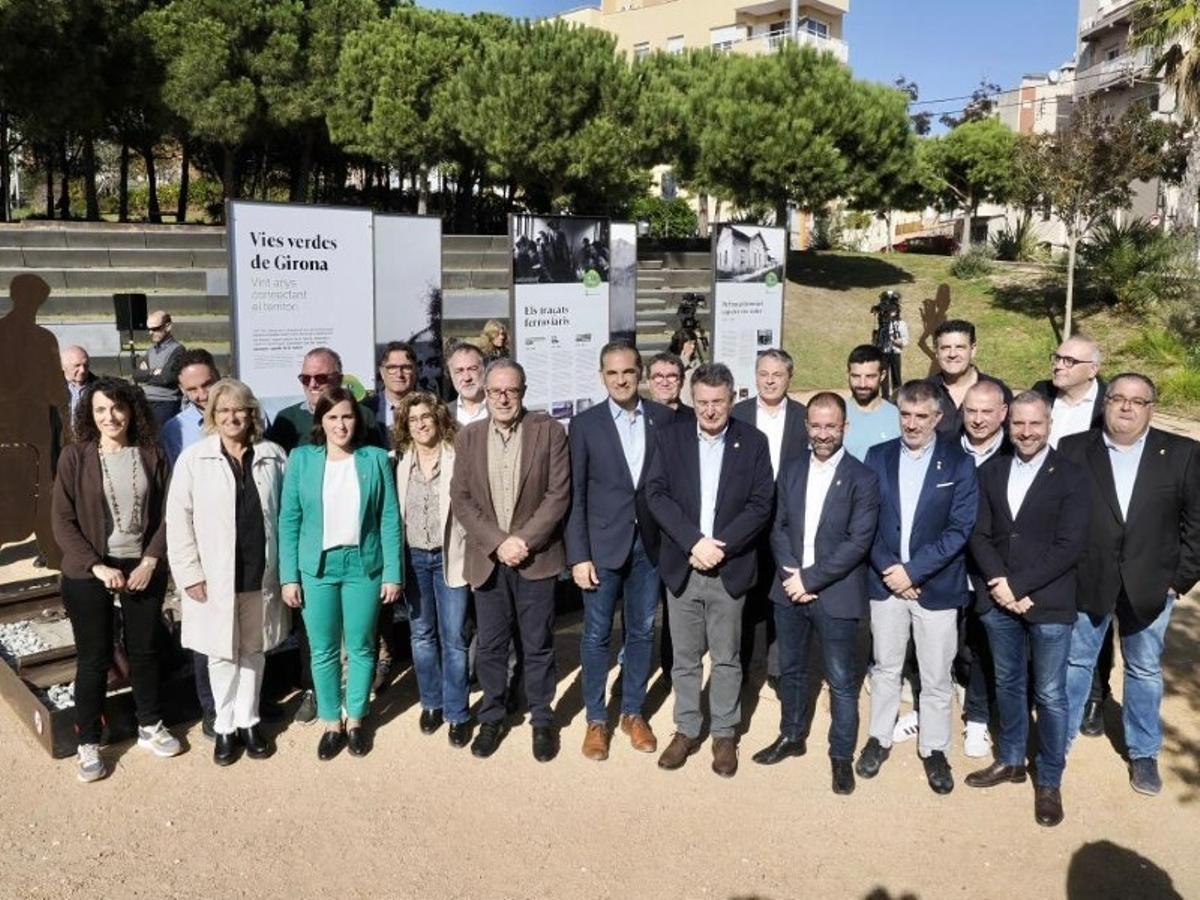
[1135, 402]
[422, 419]
[162, 327]
[506, 393]
[319, 380]
[396, 370]
[1069, 362]
[664, 376]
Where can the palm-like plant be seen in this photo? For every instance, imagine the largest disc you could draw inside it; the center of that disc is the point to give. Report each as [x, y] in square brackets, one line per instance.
[1171, 28]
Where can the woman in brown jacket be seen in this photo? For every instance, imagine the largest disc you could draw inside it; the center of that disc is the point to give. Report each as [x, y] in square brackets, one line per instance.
[109, 496]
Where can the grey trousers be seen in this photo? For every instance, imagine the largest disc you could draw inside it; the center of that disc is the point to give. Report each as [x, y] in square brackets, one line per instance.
[704, 617]
[935, 633]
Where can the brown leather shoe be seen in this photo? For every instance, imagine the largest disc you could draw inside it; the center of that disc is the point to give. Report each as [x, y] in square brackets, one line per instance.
[677, 752]
[1047, 806]
[595, 741]
[725, 761]
[640, 735]
[996, 773]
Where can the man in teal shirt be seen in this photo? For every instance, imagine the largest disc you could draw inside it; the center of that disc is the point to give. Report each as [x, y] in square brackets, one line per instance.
[870, 419]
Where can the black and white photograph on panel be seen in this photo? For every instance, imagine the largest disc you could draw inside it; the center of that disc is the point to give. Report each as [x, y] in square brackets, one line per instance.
[622, 281]
[408, 291]
[749, 253]
[559, 250]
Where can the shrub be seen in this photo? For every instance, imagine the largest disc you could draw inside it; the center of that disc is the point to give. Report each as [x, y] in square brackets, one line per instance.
[827, 231]
[975, 263]
[672, 218]
[1017, 244]
[1134, 265]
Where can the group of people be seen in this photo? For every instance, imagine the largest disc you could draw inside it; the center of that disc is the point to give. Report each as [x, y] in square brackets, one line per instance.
[988, 540]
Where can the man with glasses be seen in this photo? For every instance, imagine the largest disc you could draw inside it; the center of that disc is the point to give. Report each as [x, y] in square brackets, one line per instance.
[1074, 389]
[1143, 553]
[398, 375]
[158, 370]
[666, 374]
[510, 492]
[465, 362]
[321, 369]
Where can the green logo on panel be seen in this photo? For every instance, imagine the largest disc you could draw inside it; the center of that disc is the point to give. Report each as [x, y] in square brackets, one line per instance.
[771, 280]
[355, 386]
[591, 278]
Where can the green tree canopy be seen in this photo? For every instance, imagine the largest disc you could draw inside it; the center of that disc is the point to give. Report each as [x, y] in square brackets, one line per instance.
[972, 164]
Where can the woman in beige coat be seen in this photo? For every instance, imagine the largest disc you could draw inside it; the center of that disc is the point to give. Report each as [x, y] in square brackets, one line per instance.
[222, 543]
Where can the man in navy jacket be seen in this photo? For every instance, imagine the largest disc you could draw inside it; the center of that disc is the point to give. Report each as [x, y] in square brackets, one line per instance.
[612, 542]
[826, 510]
[1034, 506]
[928, 501]
[711, 491]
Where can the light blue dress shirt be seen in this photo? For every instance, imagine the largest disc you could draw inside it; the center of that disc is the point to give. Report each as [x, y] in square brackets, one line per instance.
[76, 391]
[712, 453]
[181, 431]
[913, 466]
[1125, 464]
[870, 428]
[632, 432]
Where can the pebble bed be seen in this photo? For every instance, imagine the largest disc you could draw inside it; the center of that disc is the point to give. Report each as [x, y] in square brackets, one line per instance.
[19, 639]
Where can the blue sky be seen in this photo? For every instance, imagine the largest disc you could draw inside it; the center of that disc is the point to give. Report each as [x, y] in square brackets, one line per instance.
[945, 46]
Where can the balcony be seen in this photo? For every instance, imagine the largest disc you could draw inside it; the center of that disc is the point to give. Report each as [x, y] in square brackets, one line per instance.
[1109, 15]
[1117, 72]
[837, 8]
[769, 43]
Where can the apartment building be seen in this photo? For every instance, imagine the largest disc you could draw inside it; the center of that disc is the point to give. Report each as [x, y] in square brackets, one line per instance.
[731, 26]
[1041, 103]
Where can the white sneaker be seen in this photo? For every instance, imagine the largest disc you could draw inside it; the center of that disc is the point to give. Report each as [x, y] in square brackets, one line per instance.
[91, 766]
[977, 742]
[158, 740]
[906, 728]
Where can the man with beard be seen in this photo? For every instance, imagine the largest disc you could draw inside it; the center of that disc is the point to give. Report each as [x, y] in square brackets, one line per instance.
[870, 419]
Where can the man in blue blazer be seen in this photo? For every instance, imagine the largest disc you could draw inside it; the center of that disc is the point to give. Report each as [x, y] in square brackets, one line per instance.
[928, 501]
[826, 510]
[711, 491]
[612, 543]
[1034, 507]
[781, 419]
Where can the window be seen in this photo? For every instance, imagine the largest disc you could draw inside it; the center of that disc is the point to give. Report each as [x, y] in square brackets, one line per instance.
[642, 50]
[675, 45]
[815, 27]
[722, 39]
[1112, 53]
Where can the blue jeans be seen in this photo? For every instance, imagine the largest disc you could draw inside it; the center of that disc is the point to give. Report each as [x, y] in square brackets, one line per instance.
[1012, 638]
[638, 581]
[437, 616]
[794, 625]
[1141, 650]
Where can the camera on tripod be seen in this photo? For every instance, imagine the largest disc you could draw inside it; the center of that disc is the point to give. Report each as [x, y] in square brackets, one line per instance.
[686, 312]
[886, 311]
[690, 330]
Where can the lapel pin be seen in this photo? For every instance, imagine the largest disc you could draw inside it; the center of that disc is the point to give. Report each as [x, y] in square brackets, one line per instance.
[736, 445]
[939, 465]
[1162, 451]
[838, 483]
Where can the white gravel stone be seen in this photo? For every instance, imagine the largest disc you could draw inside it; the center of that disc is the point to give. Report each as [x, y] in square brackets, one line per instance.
[19, 639]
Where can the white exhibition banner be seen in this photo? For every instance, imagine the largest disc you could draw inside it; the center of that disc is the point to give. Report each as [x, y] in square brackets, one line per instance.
[748, 279]
[622, 281]
[560, 309]
[300, 277]
[408, 291]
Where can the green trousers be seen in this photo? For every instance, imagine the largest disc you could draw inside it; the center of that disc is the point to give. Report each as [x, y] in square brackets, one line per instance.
[341, 607]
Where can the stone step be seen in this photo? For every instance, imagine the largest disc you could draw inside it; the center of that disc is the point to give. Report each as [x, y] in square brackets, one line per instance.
[649, 265]
[455, 260]
[478, 305]
[93, 235]
[476, 243]
[114, 257]
[100, 305]
[478, 279]
[97, 279]
[688, 279]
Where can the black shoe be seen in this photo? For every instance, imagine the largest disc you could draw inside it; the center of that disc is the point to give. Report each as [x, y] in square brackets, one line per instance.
[1093, 719]
[545, 743]
[330, 745]
[306, 712]
[226, 749]
[780, 750]
[996, 773]
[843, 776]
[487, 740]
[460, 734]
[872, 757]
[208, 725]
[1143, 775]
[431, 720]
[1047, 806]
[257, 746]
[270, 712]
[937, 772]
[356, 742]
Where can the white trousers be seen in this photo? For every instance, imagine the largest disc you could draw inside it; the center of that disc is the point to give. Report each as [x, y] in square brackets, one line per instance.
[236, 682]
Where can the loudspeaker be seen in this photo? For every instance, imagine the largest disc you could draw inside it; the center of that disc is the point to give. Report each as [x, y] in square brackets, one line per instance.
[131, 312]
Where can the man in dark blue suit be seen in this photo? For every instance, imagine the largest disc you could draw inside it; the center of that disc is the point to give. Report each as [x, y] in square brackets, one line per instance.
[1034, 506]
[918, 582]
[711, 491]
[612, 543]
[826, 510]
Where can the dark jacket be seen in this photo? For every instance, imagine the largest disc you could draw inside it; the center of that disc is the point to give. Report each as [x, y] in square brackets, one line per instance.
[942, 524]
[607, 508]
[845, 532]
[795, 431]
[952, 417]
[1050, 392]
[745, 496]
[1158, 546]
[1038, 551]
[80, 515]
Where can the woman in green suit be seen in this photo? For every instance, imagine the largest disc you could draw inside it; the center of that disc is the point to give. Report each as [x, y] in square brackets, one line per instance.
[339, 558]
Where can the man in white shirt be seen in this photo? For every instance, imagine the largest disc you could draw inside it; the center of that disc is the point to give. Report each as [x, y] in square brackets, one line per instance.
[465, 363]
[827, 507]
[1075, 390]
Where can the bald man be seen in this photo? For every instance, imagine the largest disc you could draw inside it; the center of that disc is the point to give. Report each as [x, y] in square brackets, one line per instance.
[1074, 389]
[76, 366]
[158, 370]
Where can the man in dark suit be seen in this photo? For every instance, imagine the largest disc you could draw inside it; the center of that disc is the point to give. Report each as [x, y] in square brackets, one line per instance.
[665, 376]
[398, 375]
[711, 491]
[954, 349]
[781, 420]
[826, 510]
[1143, 553]
[918, 582]
[1034, 507]
[1076, 393]
[510, 492]
[612, 543]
